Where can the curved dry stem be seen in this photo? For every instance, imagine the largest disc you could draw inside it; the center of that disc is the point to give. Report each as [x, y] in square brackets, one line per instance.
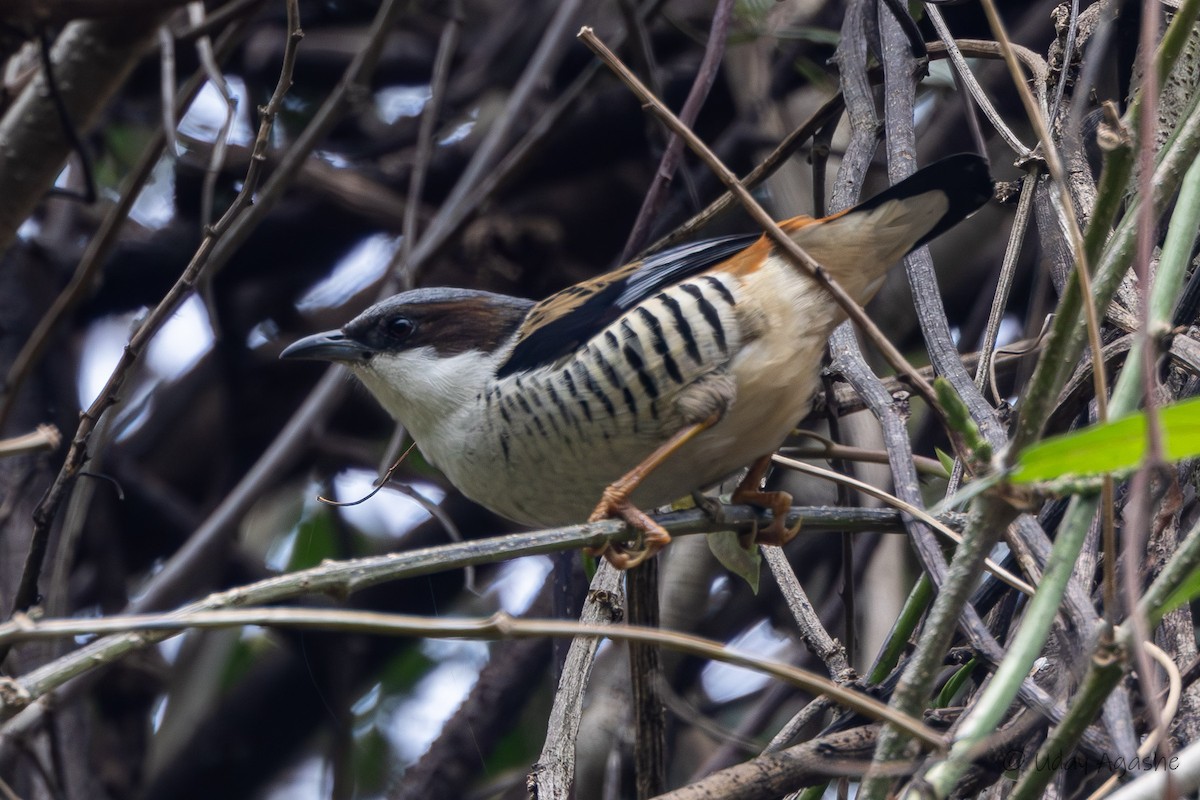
[866, 488]
[1170, 708]
[976, 91]
[498, 626]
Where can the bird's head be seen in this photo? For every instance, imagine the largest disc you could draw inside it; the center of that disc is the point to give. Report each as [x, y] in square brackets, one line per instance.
[423, 354]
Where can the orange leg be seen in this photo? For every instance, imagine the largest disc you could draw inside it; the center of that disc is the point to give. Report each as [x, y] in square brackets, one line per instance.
[615, 502]
[749, 491]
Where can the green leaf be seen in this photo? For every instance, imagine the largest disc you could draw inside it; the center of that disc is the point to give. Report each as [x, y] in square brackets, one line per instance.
[1188, 591]
[956, 682]
[741, 561]
[958, 417]
[1115, 447]
[945, 459]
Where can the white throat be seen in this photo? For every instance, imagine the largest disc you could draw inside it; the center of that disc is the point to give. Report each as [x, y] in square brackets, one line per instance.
[431, 395]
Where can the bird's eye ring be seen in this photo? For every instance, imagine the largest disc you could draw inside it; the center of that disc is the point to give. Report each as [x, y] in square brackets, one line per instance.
[400, 327]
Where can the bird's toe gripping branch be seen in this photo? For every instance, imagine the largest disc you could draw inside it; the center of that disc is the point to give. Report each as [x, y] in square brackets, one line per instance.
[615, 502]
[654, 536]
[748, 491]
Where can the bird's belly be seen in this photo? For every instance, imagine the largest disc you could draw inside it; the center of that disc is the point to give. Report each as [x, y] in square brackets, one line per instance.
[544, 478]
[539, 456]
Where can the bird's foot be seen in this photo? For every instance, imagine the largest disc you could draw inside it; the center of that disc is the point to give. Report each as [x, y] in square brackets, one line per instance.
[615, 503]
[780, 503]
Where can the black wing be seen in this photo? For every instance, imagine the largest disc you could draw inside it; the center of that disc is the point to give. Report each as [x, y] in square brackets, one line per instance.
[561, 323]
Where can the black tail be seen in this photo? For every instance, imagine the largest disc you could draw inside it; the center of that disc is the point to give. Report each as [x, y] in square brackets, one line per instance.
[965, 180]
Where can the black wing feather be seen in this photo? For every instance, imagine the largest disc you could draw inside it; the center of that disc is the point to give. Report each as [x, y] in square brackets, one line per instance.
[963, 178]
[565, 334]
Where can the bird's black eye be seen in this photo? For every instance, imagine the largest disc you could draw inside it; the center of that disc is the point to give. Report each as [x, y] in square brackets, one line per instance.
[399, 328]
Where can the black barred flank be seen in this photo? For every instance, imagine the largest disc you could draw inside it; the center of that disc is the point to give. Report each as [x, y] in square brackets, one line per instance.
[682, 327]
[635, 362]
[711, 315]
[630, 402]
[537, 420]
[660, 344]
[721, 288]
[609, 372]
[596, 391]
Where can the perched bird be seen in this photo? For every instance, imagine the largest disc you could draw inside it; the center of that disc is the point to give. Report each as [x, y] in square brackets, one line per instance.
[632, 389]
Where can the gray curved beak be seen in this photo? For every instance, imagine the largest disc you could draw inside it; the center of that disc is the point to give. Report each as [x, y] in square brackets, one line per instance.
[327, 346]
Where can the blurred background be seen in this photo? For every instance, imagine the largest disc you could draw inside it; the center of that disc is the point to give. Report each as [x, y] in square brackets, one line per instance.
[258, 713]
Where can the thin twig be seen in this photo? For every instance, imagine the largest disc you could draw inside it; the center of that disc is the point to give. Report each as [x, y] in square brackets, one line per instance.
[645, 675]
[47, 509]
[343, 578]
[799, 721]
[101, 243]
[831, 652]
[1068, 52]
[46, 437]
[834, 451]
[498, 626]
[166, 84]
[447, 47]
[1004, 285]
[1064, 206]
[822, 118]
[293, 438]
[402, 268]
[972, 84]
[554, 772]
[208, 62]
[233, 11]
[482, 177]
[908, 508]
[68, 126]
[1138, 508]
[706, 75]
[1169, 709]
[541, 63]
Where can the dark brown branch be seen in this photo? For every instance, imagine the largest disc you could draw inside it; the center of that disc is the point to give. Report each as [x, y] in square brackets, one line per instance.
[101, 243]
[91, 62]
[706, 75]
[68, 126]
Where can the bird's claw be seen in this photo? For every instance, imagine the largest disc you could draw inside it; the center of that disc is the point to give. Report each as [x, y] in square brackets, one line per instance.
[778, 533]
[654, 536]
